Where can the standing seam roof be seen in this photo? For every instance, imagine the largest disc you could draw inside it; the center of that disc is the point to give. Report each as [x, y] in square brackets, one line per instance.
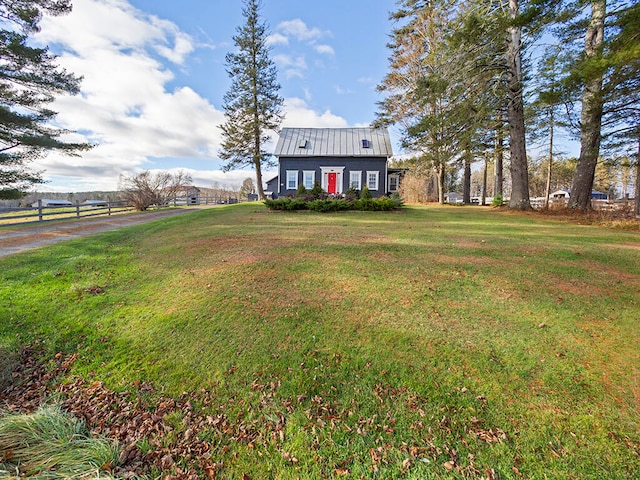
[330, 142]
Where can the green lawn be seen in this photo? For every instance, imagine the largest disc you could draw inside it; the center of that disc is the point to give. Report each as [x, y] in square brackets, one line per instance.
[435, 342]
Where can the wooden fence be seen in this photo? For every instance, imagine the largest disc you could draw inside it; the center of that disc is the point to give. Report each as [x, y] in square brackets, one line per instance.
[43, 213]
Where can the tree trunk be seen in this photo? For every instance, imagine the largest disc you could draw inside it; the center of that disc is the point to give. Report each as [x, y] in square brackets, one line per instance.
[483, 201]
[466, 183]
[515, 116]
[637, 200]
[441, 178]
[591, 117]
[259, 180]
[550, 166]
[499, 180]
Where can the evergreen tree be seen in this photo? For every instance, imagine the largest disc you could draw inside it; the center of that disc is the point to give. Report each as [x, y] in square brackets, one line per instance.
[592, 74]
[29, 82]
[252, 106]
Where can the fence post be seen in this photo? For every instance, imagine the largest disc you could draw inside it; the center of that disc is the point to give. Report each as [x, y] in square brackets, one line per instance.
[109, 207]
[77, 208]
[39, 210]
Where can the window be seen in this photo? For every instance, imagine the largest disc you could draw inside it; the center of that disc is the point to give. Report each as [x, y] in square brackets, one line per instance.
[302, 144]
[365, 143]
[393, 183]
[354, 180]
[372, 180]
[309, 178]
[292, 179]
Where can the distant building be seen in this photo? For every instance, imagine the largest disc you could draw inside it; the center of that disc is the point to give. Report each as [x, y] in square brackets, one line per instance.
[565, 194]
[48, 202]
[453, 197]
[188, 194]
[96, 203]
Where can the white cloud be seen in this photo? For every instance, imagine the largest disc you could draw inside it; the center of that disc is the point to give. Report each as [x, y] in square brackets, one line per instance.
[325, 49]
[343, 91]
[300, 115]
[292, 67]
[298, 29]
[277, 39]
[125, 106]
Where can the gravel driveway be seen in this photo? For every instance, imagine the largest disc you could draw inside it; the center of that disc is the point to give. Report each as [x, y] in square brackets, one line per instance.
[27, 237]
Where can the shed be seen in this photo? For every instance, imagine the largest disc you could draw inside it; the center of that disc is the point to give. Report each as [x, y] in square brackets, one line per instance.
[50, 202]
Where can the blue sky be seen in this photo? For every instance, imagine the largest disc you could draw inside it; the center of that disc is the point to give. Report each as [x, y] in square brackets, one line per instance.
[154, 79]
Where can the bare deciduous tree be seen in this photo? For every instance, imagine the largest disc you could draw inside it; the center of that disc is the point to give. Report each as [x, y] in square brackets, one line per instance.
[147, 189]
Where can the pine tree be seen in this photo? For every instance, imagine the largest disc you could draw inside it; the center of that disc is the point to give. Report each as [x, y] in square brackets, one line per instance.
[592, 106]
[29, 82]
[252, 106]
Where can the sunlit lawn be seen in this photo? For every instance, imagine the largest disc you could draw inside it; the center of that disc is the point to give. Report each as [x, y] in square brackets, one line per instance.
[437, 342]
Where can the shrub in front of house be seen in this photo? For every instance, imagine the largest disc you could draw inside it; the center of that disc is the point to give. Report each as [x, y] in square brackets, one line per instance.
[375, 204]
[330, 205]
[286, 203]
[334, 204]
[352, 194]
[316, 191]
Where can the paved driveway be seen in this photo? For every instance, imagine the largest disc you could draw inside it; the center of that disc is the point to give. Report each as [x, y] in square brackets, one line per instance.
[27, 237]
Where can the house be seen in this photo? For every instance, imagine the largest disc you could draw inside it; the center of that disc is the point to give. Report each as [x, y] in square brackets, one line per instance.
[338, 159]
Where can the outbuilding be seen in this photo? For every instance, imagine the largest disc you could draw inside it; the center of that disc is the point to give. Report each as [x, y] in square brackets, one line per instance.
[49, 202]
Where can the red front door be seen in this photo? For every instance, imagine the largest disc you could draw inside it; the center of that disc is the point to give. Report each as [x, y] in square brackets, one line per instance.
[331, 183]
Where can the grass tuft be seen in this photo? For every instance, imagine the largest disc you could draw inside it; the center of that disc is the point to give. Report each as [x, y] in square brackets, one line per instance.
[50, 444]
[8, 362]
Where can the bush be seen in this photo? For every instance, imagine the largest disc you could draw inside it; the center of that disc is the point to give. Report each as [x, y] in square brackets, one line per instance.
[329, 205]
[301, 190]
[497, 201]
[397, 200]
[365, 194]
[334, 204]
[286, 204]
[352, 194]
[375, 204]
[316, 191]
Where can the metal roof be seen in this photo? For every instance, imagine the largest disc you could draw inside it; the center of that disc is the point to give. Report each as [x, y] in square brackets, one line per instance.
[333, 142]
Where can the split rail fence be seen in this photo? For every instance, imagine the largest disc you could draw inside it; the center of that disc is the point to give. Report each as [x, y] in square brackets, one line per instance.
[43, 213]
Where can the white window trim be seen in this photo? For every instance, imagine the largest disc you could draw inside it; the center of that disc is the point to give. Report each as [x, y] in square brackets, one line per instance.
[304, 178]
[377, 174]
[325, 171]
[395, 177]
[359, 173]
[292, 172]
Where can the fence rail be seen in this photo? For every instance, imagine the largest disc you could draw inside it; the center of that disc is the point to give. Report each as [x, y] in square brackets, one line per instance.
[43, 213]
